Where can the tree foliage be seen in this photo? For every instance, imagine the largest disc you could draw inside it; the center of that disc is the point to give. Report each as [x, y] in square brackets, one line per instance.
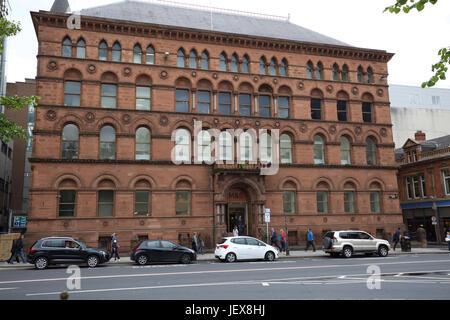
[439, 68]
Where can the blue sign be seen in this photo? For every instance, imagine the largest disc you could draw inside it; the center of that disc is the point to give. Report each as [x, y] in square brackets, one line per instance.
[20, 222]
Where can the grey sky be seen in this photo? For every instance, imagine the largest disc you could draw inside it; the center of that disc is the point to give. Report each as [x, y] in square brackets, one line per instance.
[415, 38]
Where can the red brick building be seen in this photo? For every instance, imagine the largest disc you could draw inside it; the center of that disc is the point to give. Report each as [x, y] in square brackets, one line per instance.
[119, 98]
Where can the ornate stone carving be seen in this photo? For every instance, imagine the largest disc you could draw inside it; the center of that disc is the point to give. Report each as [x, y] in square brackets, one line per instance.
[52, 65]
[126, 118]
[194, 74]
[127, 72]
[164, 121]
[235, 77]
[358, 131]
[51, 115]
[380, 92]
[355, 90]
[163, 74]
[300, 85]
[303, 127]
[215, 76]
[91, 68]
[332, 129]
[383, 132]
[329, 88]
[90, 117]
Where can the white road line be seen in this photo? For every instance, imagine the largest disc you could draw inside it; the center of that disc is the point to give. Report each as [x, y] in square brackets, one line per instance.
[8, 289]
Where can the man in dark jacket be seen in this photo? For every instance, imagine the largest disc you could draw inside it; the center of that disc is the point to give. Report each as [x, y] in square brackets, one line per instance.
[396, 238]
[18, 250]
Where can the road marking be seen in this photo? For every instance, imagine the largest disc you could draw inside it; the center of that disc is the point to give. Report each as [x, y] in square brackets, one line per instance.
[8, 289]
[265, 284]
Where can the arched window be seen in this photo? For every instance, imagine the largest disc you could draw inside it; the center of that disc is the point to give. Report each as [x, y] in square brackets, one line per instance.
[67, 47]
[204, 146]
[205, 60]
[108, 143]
[245, 146]
[234, 63]
[262, 65]
[69, 146]
[285, 148]
[345, 150]
[137, 54]
[150, 55]
[223, 62]
[319, 71]
[226, 146]
[142, 144]
[181, 62]
[182, 145]
[193, 59]
[103, 51]
[81, 49]
[319, 150]
[309, 70]
[360, 74]
[344, 74]
[369, 75]
[335, 72]
[273, 67]
[265, 147]
[283, 68]
[371, 151]
[245, 64]
[116, 52]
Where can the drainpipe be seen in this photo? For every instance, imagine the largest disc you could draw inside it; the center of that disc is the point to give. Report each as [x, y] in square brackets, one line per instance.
[213, 206]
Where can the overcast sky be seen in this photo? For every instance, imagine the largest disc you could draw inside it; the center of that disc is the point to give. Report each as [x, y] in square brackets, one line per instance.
[415, 38]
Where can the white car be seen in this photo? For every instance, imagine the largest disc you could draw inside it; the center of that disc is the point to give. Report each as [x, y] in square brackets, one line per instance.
[232, 249]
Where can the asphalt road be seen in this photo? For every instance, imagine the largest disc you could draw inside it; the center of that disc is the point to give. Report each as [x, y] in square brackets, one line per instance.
[421, 277]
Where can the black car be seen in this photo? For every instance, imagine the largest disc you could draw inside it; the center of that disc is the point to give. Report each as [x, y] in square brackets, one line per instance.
[161, 251]
[63, 250]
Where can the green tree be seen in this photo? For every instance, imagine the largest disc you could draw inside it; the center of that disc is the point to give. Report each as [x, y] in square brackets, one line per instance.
[9, 129]
[439, 68]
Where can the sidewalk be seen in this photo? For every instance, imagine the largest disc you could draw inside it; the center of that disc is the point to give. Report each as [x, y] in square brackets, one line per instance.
[209, 257]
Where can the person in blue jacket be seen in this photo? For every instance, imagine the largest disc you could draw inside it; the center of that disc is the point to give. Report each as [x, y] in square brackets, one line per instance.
[310, 240]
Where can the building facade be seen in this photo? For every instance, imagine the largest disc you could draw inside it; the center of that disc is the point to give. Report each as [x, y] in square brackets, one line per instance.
[117, 127]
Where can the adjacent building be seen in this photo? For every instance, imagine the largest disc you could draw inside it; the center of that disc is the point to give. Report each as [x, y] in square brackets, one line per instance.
[117, 144]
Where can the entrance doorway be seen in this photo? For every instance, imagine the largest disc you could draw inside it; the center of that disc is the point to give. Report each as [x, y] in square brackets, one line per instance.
[238, 211]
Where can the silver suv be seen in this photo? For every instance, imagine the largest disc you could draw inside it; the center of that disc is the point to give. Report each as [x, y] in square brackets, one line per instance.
[349, 242]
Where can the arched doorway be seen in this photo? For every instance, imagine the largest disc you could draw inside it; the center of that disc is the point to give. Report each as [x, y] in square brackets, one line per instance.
[238, 210]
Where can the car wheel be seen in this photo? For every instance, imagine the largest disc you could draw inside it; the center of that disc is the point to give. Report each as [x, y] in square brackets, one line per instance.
[383, 251]
[270, 256]
[92, 261]
[41, 263]
[347, 252]
[231, 257]
[185, 259]
[142, 260]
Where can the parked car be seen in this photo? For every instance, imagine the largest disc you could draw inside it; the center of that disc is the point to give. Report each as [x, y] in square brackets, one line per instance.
[64, 250]
[161, 251]
[232, 249]
[349, 242]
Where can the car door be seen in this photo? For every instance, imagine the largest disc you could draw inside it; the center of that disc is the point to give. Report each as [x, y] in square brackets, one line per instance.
[255, 249]
[73, 252]
[240, 248]
[355, 240]
[54, 249]
[168, 251]
[152, 249]
[368, 243]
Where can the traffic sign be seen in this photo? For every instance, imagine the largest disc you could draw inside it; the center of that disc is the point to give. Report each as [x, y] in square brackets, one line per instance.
[267, 215]
[433, 220]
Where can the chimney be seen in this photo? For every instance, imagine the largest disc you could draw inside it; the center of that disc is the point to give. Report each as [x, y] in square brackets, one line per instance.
[420, 136]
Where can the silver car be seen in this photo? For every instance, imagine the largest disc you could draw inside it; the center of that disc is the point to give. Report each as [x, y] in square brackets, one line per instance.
[348, 242]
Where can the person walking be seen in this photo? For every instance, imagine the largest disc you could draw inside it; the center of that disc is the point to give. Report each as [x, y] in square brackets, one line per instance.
[274, 240]
[396, 237]
[18, 250]
[310, 240]
[447, 239]
[282, 239]
[12, 252]
[201, 244]
[115, 247]
[235, 231]
[194, 242]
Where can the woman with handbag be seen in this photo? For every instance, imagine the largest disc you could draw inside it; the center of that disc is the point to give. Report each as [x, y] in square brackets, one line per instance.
[447, 238]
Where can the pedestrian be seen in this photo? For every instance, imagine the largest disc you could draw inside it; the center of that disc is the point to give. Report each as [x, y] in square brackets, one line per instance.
[194, 242]
[310, 240]
[12, 252]
[447, 238]
[115, 247]
[240, 226]
[235, 231]
[201, 244]
[396, 237]
[282, 239]
[274, 239]
[18, 250]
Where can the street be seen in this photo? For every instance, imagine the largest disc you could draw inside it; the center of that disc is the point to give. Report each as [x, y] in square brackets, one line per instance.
[425, 276]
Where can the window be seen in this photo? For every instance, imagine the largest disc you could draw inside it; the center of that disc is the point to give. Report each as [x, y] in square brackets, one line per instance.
[116, 52]
[183, 202]
[224, 103]
[409, 192]
[142, 144]
[223, 62]
[182, 100]
[283, 68]
[245, 146]
[371, 151]
[103, 51]
[193, 59]
[182, 145]
[245, 64]
[81, 49]
[109, 95]
[446, 178]
[150, 55]
[137, 54]
[273, 67]
[204, 62]
[143, 98]
[265, 145]
[349, 201]
[245, 105]
[72, 93]
[316, 109]
[319, 152]
[416, 186]
[322, 201]
[360, 74]
[289, 202]
[69, 147]
[436, 100]
[204, 146]
[367, 111]
[369, 75]
[345, 151]
[285, 148]
[105, 203]
[67, 48]
[181, 58]
[204, 102]
[234, 63]
[264, 106]
[67, 202]
[262, 66]
[335, 72]
[283, 107]
[344, 74]
[108, 143]
[226, 146]
[423, 186]
[319, 71]
[142, 203]
[342, 110]
[375, 201]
